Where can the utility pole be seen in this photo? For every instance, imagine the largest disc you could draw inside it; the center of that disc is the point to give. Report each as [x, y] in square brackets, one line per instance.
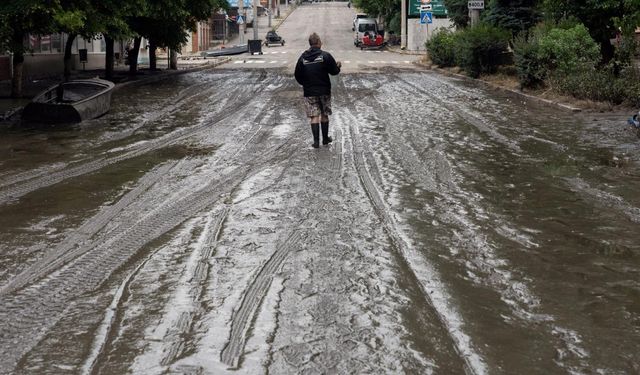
[403, 24]
[474, 14]
[241, 26]
[474, 11]
[255, 19]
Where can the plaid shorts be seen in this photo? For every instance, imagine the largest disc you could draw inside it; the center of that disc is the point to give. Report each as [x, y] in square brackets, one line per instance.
[317, 105]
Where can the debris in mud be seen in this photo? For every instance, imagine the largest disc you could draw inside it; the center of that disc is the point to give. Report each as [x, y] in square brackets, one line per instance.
[185, 151]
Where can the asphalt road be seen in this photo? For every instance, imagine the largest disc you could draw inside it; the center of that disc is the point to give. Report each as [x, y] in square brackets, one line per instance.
[448, 229]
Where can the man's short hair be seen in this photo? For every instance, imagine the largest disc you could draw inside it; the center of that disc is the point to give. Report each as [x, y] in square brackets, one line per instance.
[314, 39]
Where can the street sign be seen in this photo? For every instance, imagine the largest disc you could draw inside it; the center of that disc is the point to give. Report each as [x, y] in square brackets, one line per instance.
[426, 17]
[426, 7]
[437, 7]
[476, 4]
[240, 20]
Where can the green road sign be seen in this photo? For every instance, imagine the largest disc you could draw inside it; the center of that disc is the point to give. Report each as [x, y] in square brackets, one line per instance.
[437, 7]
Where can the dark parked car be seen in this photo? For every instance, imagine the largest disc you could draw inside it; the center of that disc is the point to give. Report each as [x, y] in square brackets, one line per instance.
[273, 38]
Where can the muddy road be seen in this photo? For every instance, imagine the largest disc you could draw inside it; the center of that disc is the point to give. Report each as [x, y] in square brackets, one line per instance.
[448, 229]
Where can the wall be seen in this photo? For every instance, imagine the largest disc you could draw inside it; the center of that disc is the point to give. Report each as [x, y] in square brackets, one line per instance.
[417, 33]
[5, 68]
[42, 65]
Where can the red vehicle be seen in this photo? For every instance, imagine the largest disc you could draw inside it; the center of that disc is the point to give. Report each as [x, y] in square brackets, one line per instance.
[371, 39]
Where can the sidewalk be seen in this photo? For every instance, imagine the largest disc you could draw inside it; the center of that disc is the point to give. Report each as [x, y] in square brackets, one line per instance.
[31, 87]
[263, 25]
[121, 77]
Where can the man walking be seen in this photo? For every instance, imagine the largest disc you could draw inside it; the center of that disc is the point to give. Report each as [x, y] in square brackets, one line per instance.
[312, 72]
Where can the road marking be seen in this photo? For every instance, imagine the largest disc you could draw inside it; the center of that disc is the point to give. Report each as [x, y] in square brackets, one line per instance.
[407, 62]
[347, 62]
[259, 61]
[238, 62]
[273, 61]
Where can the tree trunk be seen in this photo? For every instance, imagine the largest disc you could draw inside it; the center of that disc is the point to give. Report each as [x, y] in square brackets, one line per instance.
[67, 56]
[173, 64]
[16, 80]
[152, 54]
[109, 58]
[133, 56]
[607, 51]
[17, 38]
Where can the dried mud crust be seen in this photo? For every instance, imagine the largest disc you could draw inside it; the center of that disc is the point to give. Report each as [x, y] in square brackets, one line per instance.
[35, 300]
[379, 253]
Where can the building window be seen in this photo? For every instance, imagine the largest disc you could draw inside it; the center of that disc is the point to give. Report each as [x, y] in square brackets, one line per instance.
[45, 44]
[56, 43]
[34, 43]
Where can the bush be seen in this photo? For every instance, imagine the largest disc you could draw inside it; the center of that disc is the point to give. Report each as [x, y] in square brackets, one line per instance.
[601, 85]
[479, 49]
[568, 50]
[629, 83]
[559, 50]
[532, 71]
[441, 48]
[394, 24]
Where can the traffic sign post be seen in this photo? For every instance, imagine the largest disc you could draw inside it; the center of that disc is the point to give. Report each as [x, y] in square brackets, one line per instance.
[426, 17]
[240, 22]
[474, 10]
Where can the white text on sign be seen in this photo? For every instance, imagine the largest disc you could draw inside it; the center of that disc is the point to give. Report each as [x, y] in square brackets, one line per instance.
[476, 4]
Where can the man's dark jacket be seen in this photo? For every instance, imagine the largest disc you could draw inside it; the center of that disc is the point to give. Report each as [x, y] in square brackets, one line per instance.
[313, 69]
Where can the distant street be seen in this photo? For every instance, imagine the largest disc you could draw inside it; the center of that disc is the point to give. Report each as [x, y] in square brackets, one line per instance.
[450, 228]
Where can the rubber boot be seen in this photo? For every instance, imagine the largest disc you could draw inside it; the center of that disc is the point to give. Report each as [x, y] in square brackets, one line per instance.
[315, 129]
[325, 133]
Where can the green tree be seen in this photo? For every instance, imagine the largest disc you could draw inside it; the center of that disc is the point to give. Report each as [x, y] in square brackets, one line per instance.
[458, 12]
[111, 18]
[166, 23]
[21, 18]
[73, 18]
[516, 16]
[601, 17]
[388, 10]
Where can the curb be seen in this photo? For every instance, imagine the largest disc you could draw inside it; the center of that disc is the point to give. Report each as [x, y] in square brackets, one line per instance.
[281, 20]
[497, 87]
[406, 52]
[171, 74]
[11, 112]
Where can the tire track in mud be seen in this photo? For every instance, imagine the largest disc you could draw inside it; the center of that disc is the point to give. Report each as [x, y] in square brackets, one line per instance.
[433, 289]
[28, 315]
[168, 106]
[470, 117]
[68, 249]
[255, 293]
[104, 331]
[18, 189]
[498, 274]
[242, 319]
[603, 198]
[170, 341]
[25, 317]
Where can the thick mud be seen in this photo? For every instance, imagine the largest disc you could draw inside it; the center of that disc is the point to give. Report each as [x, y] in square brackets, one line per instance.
[447, 229]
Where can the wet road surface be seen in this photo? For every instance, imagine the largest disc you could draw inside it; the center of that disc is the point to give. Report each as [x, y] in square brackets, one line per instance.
[448, 229]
